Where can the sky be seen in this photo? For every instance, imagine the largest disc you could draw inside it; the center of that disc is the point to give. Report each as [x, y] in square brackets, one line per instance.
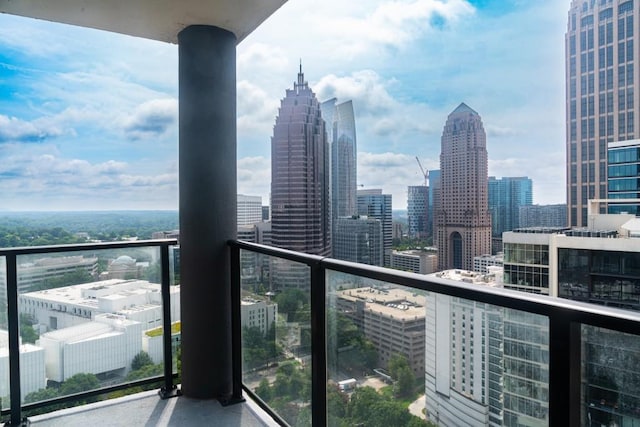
[88, 119]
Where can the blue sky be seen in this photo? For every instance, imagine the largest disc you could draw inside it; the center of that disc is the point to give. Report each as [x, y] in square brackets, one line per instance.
[88, 119]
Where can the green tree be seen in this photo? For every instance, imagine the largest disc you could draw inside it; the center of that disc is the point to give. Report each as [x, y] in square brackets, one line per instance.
[336, 406]
[264, 390]
[27, 333]
[405, 384]
[79, 383]
[141, 360]
[290, 301]
[362, 400]
[42, 394]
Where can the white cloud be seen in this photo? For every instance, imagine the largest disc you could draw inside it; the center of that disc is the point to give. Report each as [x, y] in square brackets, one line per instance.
[13, 129]
[43, 181]
[152, 118]
[397, 23]
[254, 177]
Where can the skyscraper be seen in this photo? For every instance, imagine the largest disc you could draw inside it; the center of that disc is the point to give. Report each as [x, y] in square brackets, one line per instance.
[506, 195]
[463, 220]
[341, 131]
[601, 96]
[358, 239]
[374, 204]
[434, 201]
[417, 210]
[300, 216]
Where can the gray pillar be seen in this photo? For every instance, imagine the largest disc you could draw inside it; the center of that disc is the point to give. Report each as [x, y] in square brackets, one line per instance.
[207, 174]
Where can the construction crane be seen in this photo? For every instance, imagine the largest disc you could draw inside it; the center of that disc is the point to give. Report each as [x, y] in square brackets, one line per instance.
[425, 173]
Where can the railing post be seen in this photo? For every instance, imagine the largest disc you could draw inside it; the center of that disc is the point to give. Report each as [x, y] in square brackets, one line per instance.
[564, 363]
[169, 389]
[318, 345]
[236, 329]
[13, 320]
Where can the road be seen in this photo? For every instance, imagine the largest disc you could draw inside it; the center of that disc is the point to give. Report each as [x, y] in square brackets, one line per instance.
[417, 407]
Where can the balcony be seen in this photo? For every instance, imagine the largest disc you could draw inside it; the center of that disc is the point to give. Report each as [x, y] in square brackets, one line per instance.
[539, 355]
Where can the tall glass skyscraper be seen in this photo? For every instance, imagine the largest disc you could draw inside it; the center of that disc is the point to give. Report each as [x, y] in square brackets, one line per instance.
[300, 216]
[373, 204]
[418, 210]
[341, 130]
[602, 99]
[463, 221]
[506, 195]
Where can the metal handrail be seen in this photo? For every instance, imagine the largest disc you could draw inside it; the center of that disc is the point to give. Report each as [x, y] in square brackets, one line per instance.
[565, 317]
[11, 255]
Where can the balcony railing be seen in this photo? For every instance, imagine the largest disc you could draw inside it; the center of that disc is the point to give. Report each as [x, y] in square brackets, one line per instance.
[11, 259]
[558, 326]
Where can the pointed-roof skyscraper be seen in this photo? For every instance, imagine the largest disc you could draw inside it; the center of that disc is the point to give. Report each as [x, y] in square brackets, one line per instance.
[463, 219]
[300, 205]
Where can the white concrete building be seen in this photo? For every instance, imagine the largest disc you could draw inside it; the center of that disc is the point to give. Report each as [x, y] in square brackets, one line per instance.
[417, 261]
[481, 262]
[60, 308]
[249, 210]
[32, 373]
[258, 313]
[462, 356]
[105, 346]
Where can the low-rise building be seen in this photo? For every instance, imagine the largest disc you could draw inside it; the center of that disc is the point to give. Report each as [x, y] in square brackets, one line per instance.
[417, 261]
[104, 347]
[67, 306]
[391, 318]
[480, 263]
[259, 314]
[32, 372]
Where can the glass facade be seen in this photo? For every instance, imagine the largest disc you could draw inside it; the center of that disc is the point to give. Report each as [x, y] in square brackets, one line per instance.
[526, 267]
[600, 277]
[610, 378]
[624, 176]
[506, 196]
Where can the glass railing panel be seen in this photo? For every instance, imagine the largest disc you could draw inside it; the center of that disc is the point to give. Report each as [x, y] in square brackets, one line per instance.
[176, 324]
[394, 351]
[4, 337]
[610, 377]
[276, 334]
[89, 320]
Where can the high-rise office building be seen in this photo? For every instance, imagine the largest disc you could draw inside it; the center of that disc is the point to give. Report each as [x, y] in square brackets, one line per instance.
[506, 195]
[358, 239]
[341, 131]
[300, 205]
[463, 220]
[373, 204]
[601, 95]
[418, 210]
[623, 173]
[249, 210]
[434, 201]
[543, 216]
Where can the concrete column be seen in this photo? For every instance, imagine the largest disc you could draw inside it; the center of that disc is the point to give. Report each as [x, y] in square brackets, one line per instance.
[207, 150]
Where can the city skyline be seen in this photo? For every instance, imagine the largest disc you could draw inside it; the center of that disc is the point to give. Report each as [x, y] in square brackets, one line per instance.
[89, 119]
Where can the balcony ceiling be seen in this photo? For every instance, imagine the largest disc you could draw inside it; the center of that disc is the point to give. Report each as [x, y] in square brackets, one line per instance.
[152, 19]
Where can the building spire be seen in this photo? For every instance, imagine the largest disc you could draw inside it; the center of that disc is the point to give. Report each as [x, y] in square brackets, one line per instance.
[300, 75]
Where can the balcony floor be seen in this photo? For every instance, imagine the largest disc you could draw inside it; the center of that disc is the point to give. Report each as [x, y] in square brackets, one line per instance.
[147, 409]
